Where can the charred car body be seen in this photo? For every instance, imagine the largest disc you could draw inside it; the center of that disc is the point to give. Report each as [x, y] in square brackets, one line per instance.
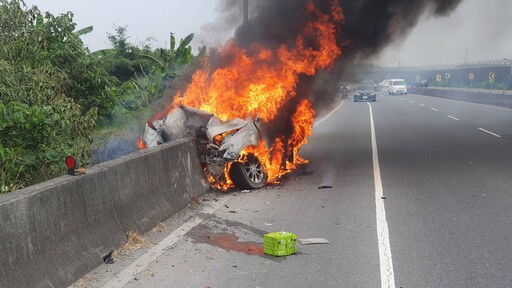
[220, 143]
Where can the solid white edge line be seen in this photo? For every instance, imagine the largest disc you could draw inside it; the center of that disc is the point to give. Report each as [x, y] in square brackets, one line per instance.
[489, 132]
[433, 109]
[454, 118]
[328, 115]
[387, 275]
[125, 276]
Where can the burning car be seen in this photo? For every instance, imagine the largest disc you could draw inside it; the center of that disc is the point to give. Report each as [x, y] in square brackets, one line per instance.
[220, 144]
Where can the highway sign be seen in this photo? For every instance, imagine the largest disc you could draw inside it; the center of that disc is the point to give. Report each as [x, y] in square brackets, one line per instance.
[491, 77]
[471, 76]
[439, 78]
[447, 76]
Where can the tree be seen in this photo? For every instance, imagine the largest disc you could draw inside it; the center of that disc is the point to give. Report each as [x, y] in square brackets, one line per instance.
[51, 93]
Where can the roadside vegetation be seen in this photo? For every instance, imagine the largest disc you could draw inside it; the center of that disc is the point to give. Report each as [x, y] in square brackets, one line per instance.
[58, 99]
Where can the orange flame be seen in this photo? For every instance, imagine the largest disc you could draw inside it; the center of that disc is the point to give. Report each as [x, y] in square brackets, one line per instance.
[259, 81]
[141, 144]
[302, 129]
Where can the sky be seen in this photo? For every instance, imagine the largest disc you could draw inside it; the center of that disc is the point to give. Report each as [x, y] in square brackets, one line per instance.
[477, 31]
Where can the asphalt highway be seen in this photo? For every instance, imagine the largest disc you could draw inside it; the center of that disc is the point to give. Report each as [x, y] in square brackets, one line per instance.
[444, 189]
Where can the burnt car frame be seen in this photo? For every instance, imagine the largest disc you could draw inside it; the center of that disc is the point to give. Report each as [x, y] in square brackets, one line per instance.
[220, 143]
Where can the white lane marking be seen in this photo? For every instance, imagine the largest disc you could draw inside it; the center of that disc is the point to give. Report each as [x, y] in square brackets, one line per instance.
[433, 109]
[387, 275]
[422, 105]
[411, 102]
[489, 132]
[454, 118]
[125, 276]
[328, 115]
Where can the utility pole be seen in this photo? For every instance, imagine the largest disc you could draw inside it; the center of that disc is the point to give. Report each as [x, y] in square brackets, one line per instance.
[246, 10]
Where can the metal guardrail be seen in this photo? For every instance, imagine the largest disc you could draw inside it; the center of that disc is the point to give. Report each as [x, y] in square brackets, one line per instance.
[480, 96]
[475, 90]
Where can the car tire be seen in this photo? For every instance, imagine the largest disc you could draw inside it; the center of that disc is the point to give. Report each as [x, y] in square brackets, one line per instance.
[248, 174]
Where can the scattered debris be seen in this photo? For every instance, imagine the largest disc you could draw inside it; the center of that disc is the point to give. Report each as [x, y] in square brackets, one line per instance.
[309, 241]
[231, 211]
[245, 191]
[383, 198]
[193, 200]
[80, 171]
[268, 224]
[109, 259]
[226, 206]
[325, 187]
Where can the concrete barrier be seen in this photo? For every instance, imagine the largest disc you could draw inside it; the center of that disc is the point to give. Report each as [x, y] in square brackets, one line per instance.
[481, 97]
[53, 233]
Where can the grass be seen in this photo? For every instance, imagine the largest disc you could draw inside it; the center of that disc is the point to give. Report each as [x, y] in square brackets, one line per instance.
[134, 242]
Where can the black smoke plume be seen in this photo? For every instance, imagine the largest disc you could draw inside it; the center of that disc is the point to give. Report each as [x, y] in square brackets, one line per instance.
[369, 26]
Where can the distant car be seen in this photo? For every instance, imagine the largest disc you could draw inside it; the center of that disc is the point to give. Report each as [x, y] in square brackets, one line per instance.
[384, 85]
[365, 92]
[397, 86]
[421, 83]
[345, 84]
[344, 89]
[371, 83]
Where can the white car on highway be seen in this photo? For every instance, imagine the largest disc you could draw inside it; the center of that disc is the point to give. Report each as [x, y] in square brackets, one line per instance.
[397, 86]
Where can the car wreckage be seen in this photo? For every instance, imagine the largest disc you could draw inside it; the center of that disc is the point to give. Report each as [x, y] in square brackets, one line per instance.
[220, 143]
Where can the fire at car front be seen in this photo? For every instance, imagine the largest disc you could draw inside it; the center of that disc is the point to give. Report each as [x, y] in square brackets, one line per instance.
[220, 144]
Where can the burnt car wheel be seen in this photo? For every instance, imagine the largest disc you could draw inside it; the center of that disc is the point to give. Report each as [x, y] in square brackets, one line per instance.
[248, 174]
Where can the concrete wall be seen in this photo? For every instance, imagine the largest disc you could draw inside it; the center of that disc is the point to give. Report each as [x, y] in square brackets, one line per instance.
[53, 233]
[497, 99]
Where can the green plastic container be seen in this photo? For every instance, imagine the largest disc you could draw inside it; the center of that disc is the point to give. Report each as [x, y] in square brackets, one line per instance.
[280, 243]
